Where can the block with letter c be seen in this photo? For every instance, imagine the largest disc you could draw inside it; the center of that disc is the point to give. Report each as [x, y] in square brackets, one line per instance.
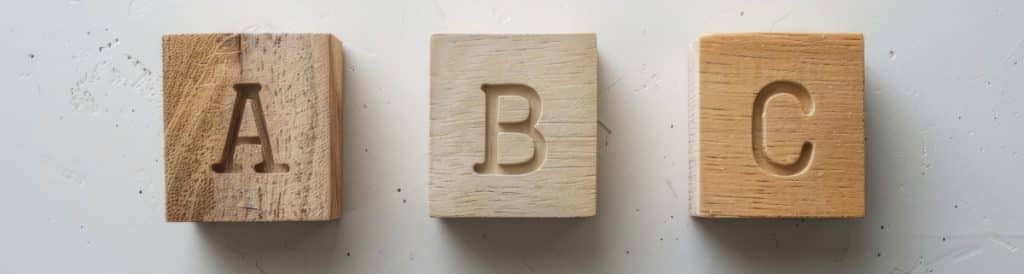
[777, 125]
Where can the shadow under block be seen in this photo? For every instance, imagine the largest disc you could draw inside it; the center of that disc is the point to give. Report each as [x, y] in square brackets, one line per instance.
[513, 125]
[777, 125]
[252, 127]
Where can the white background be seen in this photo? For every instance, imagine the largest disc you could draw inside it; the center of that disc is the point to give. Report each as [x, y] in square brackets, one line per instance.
[81, 143]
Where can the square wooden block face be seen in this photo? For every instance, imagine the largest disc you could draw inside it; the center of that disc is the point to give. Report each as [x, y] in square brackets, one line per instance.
[777, 125]
[513, 125]
[252, 127]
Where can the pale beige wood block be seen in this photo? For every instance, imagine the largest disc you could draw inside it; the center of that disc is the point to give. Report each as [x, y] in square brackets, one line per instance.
[252, 127]
[777, 125]
[513, 125]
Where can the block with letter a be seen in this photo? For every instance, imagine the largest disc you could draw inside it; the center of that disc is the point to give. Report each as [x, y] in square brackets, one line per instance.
[513, 125]
[777, 125]
[252, 127]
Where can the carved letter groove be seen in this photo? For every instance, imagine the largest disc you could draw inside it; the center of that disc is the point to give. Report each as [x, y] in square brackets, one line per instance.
[526, 127]
[248, 92]
[760, 153]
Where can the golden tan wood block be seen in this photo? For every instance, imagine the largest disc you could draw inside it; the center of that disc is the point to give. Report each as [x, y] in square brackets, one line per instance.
[777, 125]
[252, 127]
[513, 125]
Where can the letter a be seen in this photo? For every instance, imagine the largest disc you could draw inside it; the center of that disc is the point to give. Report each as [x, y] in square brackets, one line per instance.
[244, 92]
[526, 127]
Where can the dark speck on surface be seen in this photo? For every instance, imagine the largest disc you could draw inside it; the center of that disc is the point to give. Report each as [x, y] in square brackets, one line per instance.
[398, 190]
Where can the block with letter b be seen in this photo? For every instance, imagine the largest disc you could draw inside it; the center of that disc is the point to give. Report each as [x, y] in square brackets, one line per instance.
[252, 127]
[513, 125]
[777, 125]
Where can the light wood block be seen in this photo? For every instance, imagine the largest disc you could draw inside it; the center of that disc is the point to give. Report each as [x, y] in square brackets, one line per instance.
[777, 125]
[513, 125]
[252, 127]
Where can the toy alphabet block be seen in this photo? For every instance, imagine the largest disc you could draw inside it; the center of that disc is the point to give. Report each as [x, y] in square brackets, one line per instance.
[252, 127]
[777, 125]
[513, 125]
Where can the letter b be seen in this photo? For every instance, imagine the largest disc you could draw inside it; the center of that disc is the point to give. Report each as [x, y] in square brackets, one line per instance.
[490, 165]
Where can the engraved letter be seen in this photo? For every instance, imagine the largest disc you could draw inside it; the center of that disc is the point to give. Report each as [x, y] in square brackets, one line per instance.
[248, 91]
[526, 127]
[760, 154]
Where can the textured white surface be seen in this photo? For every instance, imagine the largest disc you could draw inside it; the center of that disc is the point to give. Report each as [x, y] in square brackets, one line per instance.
[81, 150]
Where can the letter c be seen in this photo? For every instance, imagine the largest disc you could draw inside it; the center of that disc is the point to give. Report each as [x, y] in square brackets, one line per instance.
[760, 154]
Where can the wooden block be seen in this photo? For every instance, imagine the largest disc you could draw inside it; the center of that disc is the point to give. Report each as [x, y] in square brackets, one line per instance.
[513, 125]
[777, 125]
[252, 127]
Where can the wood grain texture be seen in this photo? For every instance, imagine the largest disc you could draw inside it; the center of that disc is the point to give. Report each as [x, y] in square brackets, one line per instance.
[777, 125]
[299, 77]
[531, 150]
